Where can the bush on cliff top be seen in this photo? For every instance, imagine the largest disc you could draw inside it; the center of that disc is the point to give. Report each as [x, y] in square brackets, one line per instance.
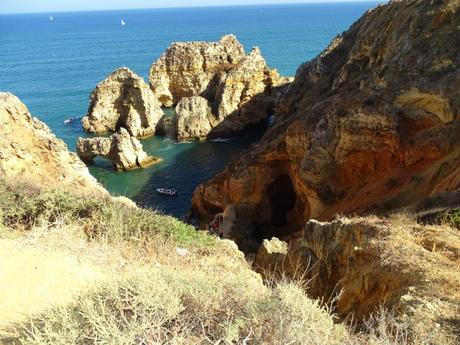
[26, 207]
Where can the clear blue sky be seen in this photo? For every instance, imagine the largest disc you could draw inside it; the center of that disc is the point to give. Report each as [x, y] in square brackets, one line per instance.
[24, 6]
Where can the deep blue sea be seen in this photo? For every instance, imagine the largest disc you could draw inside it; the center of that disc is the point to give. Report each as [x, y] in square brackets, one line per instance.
[53, 66]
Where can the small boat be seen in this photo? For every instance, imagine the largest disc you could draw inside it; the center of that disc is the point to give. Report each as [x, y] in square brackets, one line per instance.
[51, 18]
[167, 191]
[123, 23]
[70, 120]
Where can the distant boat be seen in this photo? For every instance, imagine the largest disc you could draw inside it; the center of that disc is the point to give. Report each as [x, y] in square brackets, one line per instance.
[70, 120]
[51, 18]
[123, 23]
[167, 191]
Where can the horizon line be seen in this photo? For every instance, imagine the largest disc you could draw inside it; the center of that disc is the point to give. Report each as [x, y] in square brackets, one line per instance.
[307, 2]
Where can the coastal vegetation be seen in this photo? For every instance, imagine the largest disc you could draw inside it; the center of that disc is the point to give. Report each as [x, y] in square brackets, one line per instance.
[340, 226]
[125, 275]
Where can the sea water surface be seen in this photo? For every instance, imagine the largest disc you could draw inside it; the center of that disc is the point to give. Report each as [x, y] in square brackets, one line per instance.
[53, 66]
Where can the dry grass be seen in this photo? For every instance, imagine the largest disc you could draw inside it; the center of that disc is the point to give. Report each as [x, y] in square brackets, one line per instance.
[120, 279]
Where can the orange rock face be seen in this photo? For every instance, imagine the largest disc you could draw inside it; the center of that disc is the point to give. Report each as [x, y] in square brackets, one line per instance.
[371, 124]
[30, 153]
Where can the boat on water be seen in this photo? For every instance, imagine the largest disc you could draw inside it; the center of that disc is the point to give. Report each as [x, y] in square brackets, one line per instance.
[51, 18]
[123, 23]
[167, 191]
[70, 120]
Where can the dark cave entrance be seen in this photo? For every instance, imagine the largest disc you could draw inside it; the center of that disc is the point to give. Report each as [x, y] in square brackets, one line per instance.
[282, 199]
[277, 217]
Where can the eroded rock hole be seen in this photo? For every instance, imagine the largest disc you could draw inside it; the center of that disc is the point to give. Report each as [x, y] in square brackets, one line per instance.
[282, 199]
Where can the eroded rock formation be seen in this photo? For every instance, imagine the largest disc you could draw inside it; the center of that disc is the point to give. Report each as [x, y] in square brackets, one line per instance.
[123, 150]
[123, 100]
[193, 119]
[187, 68]
[239, 87]
[30, 153]
[371, 124]
[364, 263]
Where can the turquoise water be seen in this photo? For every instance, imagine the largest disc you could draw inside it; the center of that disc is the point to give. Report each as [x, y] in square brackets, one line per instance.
[53, 66]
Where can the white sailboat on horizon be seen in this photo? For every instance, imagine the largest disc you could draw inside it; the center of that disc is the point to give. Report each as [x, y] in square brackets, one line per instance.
[123, 23]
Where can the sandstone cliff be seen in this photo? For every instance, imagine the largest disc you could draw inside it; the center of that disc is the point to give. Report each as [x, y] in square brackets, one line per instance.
[123, 150]
[240, 88]
[29, 152]
[123, 100]
[370, 124]
[364, 263]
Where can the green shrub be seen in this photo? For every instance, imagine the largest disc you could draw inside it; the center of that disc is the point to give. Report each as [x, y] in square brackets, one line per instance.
[24, 207]
[451, 217]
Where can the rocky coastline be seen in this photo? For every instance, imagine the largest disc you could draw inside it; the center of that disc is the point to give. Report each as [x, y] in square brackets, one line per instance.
[343, 191]
[218, 90]
[368, 126]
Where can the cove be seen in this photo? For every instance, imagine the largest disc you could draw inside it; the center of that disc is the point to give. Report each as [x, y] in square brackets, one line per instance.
[184, 166]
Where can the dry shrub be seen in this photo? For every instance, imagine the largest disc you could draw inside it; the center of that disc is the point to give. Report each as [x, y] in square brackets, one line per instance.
[152, 295]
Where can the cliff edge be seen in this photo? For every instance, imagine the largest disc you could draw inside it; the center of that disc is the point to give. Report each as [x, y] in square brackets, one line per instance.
[30, 152]
[371, 124]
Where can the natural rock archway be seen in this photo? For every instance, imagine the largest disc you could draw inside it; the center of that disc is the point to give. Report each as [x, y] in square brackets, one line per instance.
[123, 150]
[123, 100]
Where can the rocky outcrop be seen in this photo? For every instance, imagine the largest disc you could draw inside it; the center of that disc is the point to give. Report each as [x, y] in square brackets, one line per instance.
[123, 100]
[30, 153]
[187, 68]
[271, 256]
[246, 94]
[364, 263]
[123, 150]
[371, 124]
[193, 119]
[239, 87]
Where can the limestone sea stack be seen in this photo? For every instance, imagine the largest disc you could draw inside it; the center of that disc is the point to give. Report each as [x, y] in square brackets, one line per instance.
[187, 68]
[29, 152]
[371, 124]
[123, 99]
[240, 88]
[123, 150]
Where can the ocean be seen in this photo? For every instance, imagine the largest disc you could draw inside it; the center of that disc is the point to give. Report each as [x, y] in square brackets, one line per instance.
[53, 66]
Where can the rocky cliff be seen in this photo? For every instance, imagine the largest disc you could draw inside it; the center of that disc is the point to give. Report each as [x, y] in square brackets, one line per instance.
[371, 124]
[240, 88]
[123, 150]
[123, 99]
[29, 152]
[363, 263]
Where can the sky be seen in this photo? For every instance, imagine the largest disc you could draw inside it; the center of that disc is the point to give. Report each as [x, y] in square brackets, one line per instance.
[27, 6]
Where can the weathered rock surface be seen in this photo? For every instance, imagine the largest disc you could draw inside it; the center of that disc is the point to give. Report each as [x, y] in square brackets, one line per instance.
[121, 148]
[368, 262]
[371, 124]
[123, 100]
[30, 153]
[246, 94]
[271, 256]
[240, 88]
[187, 68]
[193, 119]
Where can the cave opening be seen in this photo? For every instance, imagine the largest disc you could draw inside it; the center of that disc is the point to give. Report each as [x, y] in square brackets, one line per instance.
[278, 217]
[282, 198]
